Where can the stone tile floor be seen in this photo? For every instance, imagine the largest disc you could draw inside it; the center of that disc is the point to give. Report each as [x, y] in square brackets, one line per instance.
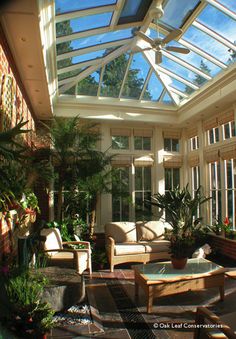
[177, 309]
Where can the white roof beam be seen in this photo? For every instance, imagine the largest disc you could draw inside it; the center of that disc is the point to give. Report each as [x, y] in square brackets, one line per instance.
[202, 53]
[76, 66]
[214, 35]
[222, 8]
[186, 65]
[193, 16]
[117, 12]
[84, 12]
[101, 62]
[177, 77]
[100, 81]
[184, 95]
[150, 56]
[94, 48]
[125, 75]
[96, 31]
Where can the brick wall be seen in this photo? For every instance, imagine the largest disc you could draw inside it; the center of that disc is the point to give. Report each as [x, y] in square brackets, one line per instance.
[14, 105]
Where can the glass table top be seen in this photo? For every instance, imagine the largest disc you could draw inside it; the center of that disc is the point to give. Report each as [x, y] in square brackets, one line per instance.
[165, 271]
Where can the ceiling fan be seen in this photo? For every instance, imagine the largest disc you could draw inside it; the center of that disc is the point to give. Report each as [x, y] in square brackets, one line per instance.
[159, 44]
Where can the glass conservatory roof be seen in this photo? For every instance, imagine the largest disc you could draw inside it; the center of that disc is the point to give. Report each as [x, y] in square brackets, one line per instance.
[100, 54]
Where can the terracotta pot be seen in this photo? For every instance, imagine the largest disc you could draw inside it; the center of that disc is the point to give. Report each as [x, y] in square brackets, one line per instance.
[179, 263]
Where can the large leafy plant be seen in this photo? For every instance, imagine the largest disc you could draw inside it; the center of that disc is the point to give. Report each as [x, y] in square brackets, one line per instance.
[181, 212]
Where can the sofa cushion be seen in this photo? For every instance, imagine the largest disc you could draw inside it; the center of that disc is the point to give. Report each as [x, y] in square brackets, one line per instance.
[125, 249]
[151, 230]
[121, 231]
[156, 246]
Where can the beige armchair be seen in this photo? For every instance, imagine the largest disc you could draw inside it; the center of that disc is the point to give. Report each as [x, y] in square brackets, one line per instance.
[209, 325]
[80, 259]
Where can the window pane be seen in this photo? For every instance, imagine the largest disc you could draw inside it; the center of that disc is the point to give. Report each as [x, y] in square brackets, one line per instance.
[64, 6]
[175, 145]
[229, 174]
[230, 4]
[146, 143]
[176, 177]
[84, 23]
[218, 22]
[113, 76]
[147, 178]
[227, 131]
[167, 145]
[130, 8]
[120, 142]
[89, 85]
[154, 88]
[136, 76]
[138, 143]
[138, 179]
[168, 179]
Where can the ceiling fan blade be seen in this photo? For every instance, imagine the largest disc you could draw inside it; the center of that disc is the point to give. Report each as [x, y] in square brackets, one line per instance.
[172, 36]
[144, 37]
[177, 49]
[158, 57]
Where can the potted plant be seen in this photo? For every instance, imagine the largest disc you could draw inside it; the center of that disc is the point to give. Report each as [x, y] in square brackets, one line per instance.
[181, 213]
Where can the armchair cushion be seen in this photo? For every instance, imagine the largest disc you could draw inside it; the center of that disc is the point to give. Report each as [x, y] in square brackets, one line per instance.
[121, 231]
[53, 240]
[151, 230]
[156, 246]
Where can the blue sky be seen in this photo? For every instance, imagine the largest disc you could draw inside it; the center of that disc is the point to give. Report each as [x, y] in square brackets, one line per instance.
[154, 87]
[63, 6]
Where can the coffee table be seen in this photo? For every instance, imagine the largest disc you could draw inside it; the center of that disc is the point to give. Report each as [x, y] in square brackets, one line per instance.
[161, 279]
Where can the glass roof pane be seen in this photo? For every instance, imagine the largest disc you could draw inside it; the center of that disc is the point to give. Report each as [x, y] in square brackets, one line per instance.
[136, 77]
[207, 44]
[70, 74]
[83, 57]
[230, 4]
[94, 40]
[154, 89]
[130, 8]
[64, 6]
[196, 60]
[89, 85]
[176, 12]
[70, 91]
[180, 86]
[113, 76]
[83, 23]
[218, 22]
[182, 71]
[167, 99]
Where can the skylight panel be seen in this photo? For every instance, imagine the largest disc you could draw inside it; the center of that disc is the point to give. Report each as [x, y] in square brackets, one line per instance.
[208, 44]
[70, 91]
[83, 23]
[130, 8]
[136, 76]
[218, 22]
[176, 12]
[70, 74]
[180, 86]
[230, 4]
[154, 89]
[113, 76]
[94, 40]
[134, 10]
[182, 71]
[196, 60]
[89, 85]
[65, 6]
[82, 58]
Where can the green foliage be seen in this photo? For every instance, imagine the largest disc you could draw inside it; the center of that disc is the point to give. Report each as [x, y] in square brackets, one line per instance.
[99, 256]
[199, 80]
[30, 200]
[43, 318]
[181, 209]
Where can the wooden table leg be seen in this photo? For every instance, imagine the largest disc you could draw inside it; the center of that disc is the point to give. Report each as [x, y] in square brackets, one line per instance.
[222, 292]
[149, 299]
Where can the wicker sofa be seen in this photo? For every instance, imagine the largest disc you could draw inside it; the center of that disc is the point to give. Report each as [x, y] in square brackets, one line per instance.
[135, 242]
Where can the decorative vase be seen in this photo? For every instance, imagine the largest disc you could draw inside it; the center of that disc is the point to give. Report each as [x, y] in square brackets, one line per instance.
[179, 263]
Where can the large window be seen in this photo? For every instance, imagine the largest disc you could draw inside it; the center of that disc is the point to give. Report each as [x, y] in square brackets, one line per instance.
[171, 145]
[142, 192]
[194, 143]
[215, 192]
[213, 135]
[230, 185]
[229, 130]
[120, 195]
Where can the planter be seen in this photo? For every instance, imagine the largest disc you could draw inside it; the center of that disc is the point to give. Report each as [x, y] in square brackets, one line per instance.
[223, 246]
[179, 263]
